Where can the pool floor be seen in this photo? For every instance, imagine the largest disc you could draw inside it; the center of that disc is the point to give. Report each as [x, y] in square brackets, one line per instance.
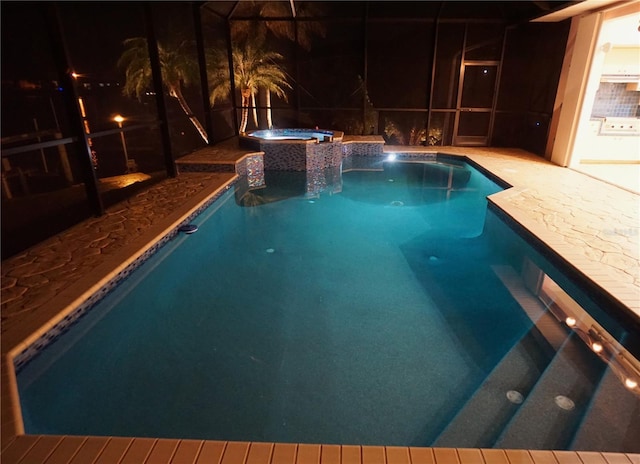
[338, 319]
[536, 180]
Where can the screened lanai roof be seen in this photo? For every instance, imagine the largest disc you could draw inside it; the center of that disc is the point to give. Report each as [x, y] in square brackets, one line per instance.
[507, 11]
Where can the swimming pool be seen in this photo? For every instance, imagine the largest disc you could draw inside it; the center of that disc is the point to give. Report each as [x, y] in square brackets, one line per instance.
[312, 337]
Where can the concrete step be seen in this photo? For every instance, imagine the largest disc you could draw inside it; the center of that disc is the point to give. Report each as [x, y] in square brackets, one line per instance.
[612, 420]
[480, 422]
[554, 409]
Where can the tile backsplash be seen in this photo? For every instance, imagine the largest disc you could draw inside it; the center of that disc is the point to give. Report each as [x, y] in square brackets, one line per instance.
[614, 100]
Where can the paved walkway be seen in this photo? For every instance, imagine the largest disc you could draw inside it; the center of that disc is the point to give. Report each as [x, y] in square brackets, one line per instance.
[592, 225]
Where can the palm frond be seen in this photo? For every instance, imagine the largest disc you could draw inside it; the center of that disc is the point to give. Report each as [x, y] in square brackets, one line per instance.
[178, 67]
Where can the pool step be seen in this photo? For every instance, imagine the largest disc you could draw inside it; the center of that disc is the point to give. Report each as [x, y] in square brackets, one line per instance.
[553, 332]
[481, 420]
[612, 418]
[612, 421]
[554, 409]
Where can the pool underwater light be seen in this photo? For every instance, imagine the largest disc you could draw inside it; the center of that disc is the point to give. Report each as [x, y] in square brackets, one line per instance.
[564, 402]
[188, 228]
[515, 396]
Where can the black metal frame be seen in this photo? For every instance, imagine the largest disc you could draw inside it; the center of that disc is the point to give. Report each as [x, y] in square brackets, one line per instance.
[158, 89]
[204, 82]
[79, 135]
[81, 138]
[70, 95]
[428, 108]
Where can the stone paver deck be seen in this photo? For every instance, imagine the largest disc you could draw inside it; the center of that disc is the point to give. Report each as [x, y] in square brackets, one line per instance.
[224, 153]
[593, 226]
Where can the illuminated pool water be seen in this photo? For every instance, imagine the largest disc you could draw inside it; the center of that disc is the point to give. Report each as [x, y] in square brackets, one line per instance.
[392, 310]
[292, 134]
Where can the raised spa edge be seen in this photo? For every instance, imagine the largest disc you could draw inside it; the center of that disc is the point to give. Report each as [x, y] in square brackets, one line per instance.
[296, 149]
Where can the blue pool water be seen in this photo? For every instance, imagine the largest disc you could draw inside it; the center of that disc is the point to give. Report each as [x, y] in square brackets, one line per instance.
[291, 134]
[367, 315]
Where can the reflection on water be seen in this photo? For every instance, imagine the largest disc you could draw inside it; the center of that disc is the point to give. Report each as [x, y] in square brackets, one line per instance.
[446, 176]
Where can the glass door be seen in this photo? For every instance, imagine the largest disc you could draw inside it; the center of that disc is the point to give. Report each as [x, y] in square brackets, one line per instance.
[474, 115]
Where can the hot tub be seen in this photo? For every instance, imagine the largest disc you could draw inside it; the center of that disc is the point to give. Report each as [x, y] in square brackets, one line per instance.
[296, 149]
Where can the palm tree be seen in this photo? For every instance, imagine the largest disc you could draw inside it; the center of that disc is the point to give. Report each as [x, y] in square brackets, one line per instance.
[254, 33]
[177, 66]
[257, 30]
[283, 29]
[272, 79]
[254, 68]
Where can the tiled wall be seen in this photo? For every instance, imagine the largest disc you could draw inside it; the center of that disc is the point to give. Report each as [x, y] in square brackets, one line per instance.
[363, 149]
[614, 100]
[301, 155]
[289, 156]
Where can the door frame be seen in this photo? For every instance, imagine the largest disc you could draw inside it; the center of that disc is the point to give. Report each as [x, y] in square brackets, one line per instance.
[483, 140]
